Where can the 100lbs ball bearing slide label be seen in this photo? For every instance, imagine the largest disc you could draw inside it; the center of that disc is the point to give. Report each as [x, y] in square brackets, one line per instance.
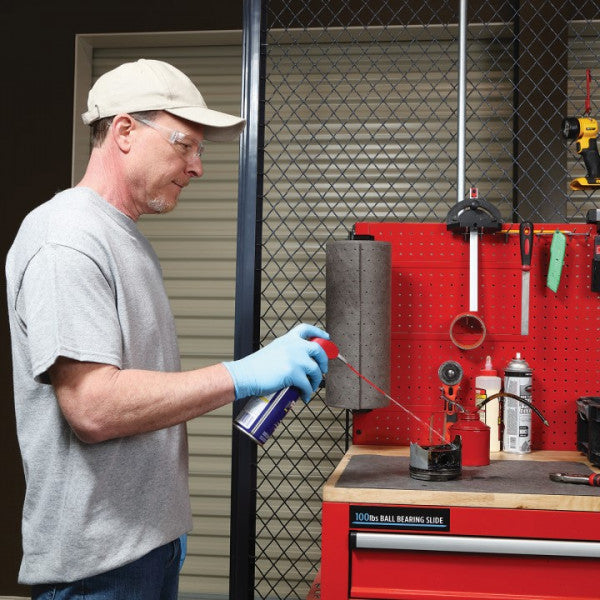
[399, 518]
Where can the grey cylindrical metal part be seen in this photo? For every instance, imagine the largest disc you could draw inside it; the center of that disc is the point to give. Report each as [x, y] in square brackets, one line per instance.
[358, 284]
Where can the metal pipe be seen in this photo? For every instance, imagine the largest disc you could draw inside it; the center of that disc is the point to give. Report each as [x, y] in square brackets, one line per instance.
[247, 297]
[462, 85]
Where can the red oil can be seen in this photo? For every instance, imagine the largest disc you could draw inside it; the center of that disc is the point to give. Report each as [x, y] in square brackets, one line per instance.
[475, 437]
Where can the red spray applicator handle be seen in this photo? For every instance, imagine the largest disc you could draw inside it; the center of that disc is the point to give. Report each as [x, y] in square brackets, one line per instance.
[330, 348]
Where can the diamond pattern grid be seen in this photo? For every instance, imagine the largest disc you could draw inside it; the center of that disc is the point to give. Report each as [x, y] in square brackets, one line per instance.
[361, 124]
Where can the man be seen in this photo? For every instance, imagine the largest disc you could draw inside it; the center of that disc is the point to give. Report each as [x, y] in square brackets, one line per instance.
[101, 402]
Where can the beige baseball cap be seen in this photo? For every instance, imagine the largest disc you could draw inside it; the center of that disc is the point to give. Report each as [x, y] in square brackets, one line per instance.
[157, 85]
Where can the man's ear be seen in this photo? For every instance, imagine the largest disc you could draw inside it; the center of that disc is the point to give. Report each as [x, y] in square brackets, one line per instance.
[121, 129]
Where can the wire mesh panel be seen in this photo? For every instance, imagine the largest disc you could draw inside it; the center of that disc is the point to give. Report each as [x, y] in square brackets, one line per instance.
[361, 124]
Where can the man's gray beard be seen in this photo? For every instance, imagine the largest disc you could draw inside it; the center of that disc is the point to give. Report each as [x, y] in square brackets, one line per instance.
[158, 204]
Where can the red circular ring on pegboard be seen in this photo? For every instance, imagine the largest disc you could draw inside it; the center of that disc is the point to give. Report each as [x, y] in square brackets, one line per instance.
[464, 327]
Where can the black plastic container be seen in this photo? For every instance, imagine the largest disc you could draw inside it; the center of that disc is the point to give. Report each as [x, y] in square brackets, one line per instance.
[588, 428]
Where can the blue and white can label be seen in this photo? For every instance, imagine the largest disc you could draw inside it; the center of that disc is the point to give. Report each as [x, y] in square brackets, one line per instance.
[261, 414]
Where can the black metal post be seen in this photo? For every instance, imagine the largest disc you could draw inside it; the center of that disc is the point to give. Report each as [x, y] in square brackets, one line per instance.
[247, 297]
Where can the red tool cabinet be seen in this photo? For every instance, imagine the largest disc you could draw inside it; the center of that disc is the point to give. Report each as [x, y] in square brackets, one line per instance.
[503, 532]
[424, 542]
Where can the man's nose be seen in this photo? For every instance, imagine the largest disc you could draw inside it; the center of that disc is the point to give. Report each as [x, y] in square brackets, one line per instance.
[195, 167]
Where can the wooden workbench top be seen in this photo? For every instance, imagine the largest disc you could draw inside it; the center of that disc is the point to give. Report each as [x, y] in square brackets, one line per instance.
[379, 475]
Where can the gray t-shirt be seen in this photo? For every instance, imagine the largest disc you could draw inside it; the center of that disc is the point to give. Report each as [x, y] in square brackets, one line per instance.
[84, 283]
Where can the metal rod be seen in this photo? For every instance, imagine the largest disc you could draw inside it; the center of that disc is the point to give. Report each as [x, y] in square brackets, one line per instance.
[473, 271]
[247, 297]
[548, 232]
[462, 85]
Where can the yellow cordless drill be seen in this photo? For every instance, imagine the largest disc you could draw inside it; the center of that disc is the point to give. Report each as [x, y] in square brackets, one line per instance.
[585, 131]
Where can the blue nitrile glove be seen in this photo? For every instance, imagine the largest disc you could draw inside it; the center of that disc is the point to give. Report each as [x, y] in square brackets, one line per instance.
[288, 361]
[183, 544]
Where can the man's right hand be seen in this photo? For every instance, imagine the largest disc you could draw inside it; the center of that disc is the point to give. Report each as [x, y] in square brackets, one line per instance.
[288, 361]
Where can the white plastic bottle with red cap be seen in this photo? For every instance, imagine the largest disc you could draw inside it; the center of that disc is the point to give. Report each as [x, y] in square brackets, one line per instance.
[488, 383]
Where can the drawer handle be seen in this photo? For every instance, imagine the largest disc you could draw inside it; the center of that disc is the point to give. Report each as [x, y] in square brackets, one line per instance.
[477, 545]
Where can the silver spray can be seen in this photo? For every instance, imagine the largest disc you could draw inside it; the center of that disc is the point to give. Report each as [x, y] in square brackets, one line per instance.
[517, 415]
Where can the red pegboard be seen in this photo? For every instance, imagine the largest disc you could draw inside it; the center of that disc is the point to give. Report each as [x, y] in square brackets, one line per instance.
[430, 287]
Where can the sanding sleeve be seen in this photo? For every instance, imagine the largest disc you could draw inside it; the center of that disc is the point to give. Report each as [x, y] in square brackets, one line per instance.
[358, 284]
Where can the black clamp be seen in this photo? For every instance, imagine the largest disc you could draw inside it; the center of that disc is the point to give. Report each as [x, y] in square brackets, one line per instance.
[475, 214]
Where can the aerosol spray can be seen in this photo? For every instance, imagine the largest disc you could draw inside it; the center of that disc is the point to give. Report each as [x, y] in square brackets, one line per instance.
[261, 414]
[517, 415]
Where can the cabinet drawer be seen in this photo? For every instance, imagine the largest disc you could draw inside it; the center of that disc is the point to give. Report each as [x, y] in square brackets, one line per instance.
[418, 567]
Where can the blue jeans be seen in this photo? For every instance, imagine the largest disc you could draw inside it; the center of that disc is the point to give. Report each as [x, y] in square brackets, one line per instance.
[152, 577]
